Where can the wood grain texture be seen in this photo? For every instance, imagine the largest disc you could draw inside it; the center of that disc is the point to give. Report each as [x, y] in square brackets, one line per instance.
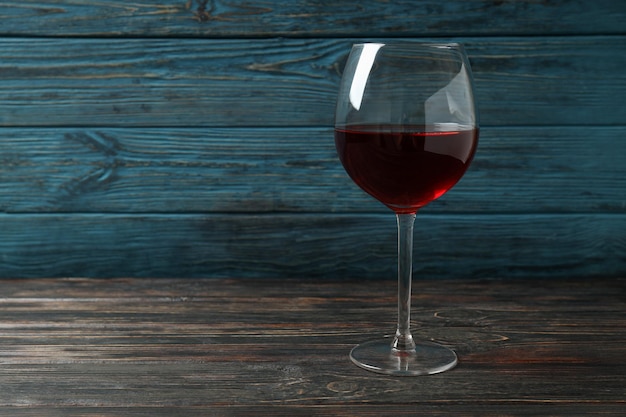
[167, 140]
[255, 170]
[287, 82]
[192, 139]
[172, 347]
[330, 246]
[237, 18]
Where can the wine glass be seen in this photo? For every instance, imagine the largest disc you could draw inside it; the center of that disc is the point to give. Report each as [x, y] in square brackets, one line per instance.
[406, 130]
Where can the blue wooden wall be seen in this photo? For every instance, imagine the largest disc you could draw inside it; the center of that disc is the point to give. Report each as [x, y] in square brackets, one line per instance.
[194, 139]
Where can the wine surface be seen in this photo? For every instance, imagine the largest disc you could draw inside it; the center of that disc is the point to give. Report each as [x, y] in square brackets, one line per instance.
[405, 168]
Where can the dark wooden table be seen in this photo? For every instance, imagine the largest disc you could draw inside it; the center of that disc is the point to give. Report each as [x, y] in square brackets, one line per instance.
[173, 347]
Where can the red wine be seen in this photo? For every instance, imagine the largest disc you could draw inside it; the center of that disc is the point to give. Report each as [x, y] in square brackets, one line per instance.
[405, 168]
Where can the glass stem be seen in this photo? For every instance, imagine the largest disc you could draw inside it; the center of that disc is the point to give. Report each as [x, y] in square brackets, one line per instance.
[403, 340]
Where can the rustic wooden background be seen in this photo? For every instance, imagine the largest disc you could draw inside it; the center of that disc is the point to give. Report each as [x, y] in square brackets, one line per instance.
[194, 139]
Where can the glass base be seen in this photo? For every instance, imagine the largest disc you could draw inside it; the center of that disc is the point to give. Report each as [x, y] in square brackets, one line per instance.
[427, 359]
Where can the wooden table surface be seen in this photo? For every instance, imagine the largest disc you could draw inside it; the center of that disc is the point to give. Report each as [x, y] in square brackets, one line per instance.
[174, 347]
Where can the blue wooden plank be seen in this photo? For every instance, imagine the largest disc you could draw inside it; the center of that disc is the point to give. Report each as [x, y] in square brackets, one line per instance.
[310, 18]
[287, 82]
[254, 170]
[310, 246]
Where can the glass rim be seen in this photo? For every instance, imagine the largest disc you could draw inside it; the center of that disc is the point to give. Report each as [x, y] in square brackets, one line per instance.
[421, 43]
